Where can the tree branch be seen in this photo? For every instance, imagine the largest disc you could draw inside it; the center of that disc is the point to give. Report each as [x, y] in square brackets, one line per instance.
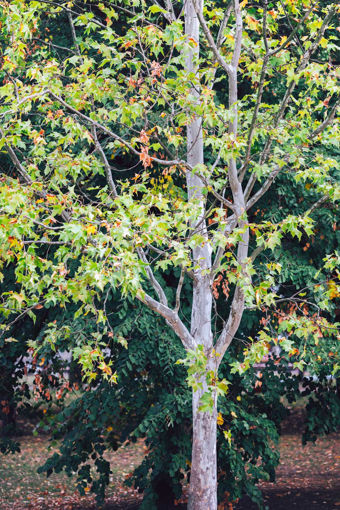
[303, 64]
[172, 319]
[24, 100]
[71, 11]
[114, 135]
[151, 277]
[73, 32]
[327, 121]
[52, 45]
[107, 166]
[207, 33]
[238, 35]
[15, 161]
[265, 187]
[170, 13]
[232, 222]
[277, 169]
[293, 32]
[219, 39]
[237, 306]
[232, 324]
[259, 96]
[178, 291]
[259, 249]
[45, 241]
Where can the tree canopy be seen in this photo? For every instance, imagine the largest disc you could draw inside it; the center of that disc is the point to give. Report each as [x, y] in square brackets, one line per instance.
[152, 143]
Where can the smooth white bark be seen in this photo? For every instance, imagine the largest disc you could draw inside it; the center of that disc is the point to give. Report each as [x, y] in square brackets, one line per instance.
[203, 478]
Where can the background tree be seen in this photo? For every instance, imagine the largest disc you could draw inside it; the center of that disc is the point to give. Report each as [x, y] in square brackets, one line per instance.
[97, 103]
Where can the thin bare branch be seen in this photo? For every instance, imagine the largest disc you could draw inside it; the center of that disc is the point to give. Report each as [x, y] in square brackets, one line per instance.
[212, 45]
[26, 177]
[259, 249]
[265, 187]
[107, 166]
[291, 26]
[269, 181]
[151, 277]
[303, 64]
[73, 32]
[53, 45]
[71, 11]
[243, 169]
[114, 135]
[14, 158]
[45, 241]
[24, 100]
[178, 291]
[232, 222]
[264, 27]
[238, 35]
[327, 121]
[293, 32]
[219, 39]
[317, 204]
[48, 227]
[170, 9]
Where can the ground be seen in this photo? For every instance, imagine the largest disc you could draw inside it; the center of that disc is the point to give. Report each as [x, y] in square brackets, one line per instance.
[308, 478]
[21, 487]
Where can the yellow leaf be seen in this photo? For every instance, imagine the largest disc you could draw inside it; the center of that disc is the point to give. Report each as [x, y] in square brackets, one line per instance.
[14, 242]
[333, 290]
[113, 378]
[51, 198]
[253, 23]
[323, 42]
[227, 435]
[91, 229]
[220, 419]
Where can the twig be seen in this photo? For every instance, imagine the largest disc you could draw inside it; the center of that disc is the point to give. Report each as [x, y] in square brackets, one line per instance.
[107, 167]
[178, 291]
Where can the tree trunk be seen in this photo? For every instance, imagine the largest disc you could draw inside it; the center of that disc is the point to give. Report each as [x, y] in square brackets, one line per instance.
[203, 477]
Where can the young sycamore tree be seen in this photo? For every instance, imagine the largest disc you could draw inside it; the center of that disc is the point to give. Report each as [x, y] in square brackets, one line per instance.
[180, 96]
